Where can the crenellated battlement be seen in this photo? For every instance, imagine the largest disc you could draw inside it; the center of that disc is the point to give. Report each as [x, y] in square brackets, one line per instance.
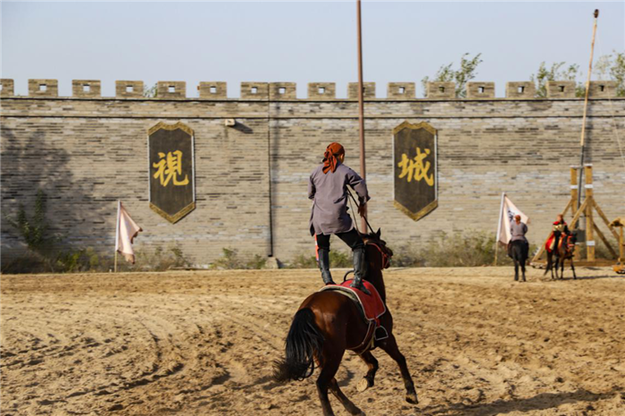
[317, 91]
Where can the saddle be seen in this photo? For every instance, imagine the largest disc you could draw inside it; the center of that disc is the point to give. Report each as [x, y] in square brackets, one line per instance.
[371, 308]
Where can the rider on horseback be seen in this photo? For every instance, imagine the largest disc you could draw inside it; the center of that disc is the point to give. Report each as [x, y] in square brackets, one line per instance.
[327, 188]
[559, 227]
[518, 229]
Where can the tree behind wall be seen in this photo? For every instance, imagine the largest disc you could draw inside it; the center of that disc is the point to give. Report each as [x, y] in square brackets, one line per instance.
[556, 73]
[612, 67]
[462, 75]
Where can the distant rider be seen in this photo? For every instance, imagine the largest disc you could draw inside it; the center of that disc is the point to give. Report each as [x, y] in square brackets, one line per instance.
[518, 229]
[327, 188]
[559, 227]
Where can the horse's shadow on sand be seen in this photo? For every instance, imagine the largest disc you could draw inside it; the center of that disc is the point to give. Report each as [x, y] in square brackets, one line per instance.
[607, 276]
[541, 401]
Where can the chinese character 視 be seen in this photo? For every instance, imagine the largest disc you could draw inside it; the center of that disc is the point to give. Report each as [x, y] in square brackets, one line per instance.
[415, 168]
[170, 167]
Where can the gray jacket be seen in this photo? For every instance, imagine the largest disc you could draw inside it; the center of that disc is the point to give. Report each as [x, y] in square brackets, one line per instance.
[329, 194]
[518, 231]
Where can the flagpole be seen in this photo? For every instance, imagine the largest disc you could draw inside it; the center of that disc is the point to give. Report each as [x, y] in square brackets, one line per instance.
[582, 141]
[119, 208]
[361, 117]
[503, 194]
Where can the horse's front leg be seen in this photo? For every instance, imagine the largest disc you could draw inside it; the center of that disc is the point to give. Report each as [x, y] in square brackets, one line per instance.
[369, 379]
[573, 269]
[390, 346]
[557, 264]
[523, 270]
[516, 270]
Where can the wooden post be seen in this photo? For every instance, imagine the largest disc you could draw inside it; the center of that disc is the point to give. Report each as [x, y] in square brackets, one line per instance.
[590, 241]
[574, 190]
[621, 247]
[577, 254]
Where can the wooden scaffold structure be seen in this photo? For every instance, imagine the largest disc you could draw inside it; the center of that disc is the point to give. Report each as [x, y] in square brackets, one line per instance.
[586, 208]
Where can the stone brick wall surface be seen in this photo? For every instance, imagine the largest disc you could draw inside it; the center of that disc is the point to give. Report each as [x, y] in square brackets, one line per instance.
[251, 179]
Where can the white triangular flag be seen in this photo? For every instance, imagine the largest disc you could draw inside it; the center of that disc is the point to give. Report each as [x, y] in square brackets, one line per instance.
[127, 230]
[508, 212]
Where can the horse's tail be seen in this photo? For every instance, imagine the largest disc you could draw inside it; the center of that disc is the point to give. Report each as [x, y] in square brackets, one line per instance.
[303, 340]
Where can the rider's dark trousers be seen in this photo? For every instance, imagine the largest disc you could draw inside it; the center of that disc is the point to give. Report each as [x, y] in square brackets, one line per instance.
[351, 238]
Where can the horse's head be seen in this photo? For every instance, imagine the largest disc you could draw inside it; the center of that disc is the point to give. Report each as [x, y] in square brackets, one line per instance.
[373, 239]
[570, 240]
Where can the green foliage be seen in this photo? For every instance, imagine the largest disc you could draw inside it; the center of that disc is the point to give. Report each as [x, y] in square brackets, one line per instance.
[557, 73]
[72, 261]
[338, 259]
[157, 260]
[470, 249]
[231, 259]
[466, 72]
[612, 67]
[150, 92]
[303, 261]
[256, 262]
[34, 230]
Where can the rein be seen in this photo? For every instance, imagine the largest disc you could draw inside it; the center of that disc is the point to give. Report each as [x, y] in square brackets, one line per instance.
[358, 205]
[386, 262]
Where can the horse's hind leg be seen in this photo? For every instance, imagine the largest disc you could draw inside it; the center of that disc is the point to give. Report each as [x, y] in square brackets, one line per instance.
[372, 363]
[349, 406]
[390, 346]
[324, 381]
[573, 269]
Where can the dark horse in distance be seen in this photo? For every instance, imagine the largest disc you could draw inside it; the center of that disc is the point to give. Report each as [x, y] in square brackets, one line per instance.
[328, 323]
[564, 251]
[519, 252]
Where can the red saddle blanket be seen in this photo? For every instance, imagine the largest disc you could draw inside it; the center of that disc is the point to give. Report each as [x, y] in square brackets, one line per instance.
[372, 305]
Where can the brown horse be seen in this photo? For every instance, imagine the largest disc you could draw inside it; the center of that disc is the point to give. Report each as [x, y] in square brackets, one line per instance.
[564, 251]
[328, 323]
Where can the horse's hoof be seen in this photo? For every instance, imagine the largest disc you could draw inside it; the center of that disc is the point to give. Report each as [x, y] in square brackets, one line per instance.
[412, 398]
[362, 385]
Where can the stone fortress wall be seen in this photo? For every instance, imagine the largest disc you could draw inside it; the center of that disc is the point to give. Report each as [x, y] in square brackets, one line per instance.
[88, 151]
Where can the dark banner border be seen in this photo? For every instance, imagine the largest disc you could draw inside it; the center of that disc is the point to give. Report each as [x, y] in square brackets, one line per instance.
[416, 216]
[190, 207]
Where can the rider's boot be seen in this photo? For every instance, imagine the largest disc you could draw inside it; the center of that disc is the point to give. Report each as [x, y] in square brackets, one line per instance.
[324, 266]
[360, 268]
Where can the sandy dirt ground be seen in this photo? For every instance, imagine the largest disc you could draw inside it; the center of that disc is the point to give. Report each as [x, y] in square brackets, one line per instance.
[203, 343]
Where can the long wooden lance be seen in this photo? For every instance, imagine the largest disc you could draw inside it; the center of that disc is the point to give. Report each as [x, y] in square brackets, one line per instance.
[363, 167]
[582, 143]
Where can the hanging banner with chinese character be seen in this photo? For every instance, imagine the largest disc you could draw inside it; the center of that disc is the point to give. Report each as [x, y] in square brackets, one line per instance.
[172, 170]
[415, 170]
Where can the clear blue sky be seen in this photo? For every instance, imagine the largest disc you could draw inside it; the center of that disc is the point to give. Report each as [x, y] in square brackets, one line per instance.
[294, 41]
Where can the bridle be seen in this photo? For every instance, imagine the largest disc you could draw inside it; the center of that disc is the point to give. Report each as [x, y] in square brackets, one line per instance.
[386, 256]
